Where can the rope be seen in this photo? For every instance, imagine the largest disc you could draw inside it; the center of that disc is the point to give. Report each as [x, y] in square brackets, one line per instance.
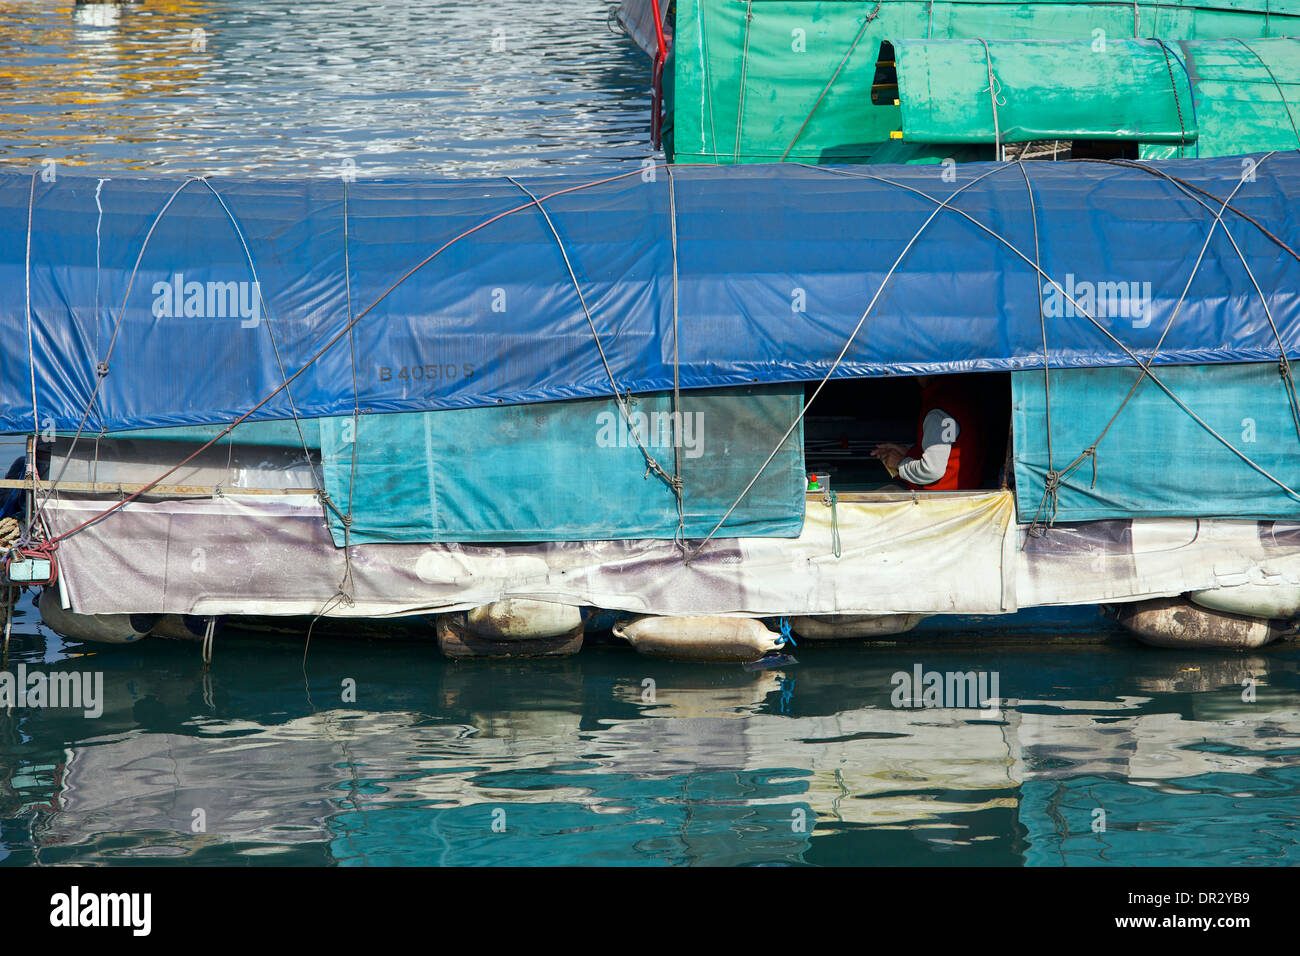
[843, 351]
[337, 600]
[1190, 188]
[99, 220]
[1086, 314]
[787, 638]
[1191, 96]
[27, 280]
[102, 367]
[744, 69]
[678, 487]
[270, 331]
[207, 641]
[346, 583]
[836, 548]
[875, 12]
[334, 340]
[1042, 321]
[994, 90]
[11, 596]
[1052, 480]
[708, 86]
[652, 465]
[1173, 87]
[1284, 365]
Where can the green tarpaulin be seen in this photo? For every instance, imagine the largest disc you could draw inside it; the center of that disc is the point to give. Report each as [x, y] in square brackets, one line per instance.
[1246, 96]
[1156, 459]
[752, 82]
[279, 434]
[1214, 97]
[1120, 90]
[571, 470]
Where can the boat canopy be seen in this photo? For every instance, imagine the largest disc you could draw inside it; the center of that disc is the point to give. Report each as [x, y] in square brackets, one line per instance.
[838, 101]
[149, 302]
[1199, 97]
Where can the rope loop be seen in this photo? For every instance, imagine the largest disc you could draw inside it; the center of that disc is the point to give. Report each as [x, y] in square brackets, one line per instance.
[836, 549]
[787, 638]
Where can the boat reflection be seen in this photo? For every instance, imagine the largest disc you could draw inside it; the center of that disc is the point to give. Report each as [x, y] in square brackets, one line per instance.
[612, 758]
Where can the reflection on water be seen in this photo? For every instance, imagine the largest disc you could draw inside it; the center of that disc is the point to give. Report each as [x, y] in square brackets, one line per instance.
[300, 87]
[611, 758]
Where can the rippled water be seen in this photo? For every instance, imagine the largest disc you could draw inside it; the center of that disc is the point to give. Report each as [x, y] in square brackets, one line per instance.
[582, 761]
[300, 87]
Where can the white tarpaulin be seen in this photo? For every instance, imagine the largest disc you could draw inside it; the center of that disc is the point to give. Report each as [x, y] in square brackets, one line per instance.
[245, 555]
[959, 553]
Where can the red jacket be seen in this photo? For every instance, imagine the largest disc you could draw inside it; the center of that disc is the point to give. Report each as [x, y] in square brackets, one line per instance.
[955, 396]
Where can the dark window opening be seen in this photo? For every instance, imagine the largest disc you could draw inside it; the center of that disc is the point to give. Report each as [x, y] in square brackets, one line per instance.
[1103, 149]
[850, 418]
[884, 85]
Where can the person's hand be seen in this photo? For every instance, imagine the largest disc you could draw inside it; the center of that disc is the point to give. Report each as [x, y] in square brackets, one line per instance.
[880, 450]
[890, 454]
[892, 459]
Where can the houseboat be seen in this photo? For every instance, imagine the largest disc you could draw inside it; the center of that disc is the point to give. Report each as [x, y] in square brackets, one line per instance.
[509, 412]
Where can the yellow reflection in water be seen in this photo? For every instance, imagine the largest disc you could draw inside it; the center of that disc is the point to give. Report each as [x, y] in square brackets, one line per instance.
[80, 66]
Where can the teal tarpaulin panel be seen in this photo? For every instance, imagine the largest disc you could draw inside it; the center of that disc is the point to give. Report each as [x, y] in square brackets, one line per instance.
[570, 470]
[1156, 459]
[280, 434]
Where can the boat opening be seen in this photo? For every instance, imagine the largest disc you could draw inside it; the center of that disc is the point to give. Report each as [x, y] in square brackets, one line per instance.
[850, 421]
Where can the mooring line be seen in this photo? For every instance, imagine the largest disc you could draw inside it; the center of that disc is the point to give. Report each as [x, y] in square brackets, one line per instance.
[334, 340]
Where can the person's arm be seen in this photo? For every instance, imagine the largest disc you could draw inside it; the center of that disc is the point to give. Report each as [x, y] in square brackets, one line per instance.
[929, 468]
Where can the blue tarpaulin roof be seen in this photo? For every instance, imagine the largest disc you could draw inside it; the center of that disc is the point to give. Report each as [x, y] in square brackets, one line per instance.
[776, 266]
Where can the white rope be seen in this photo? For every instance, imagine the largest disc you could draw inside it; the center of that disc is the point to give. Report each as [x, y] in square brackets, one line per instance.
[744, 70]
[99, 221]
[1086, 314]
[31, 351]
[994, 90]
[207, 640]
[652, 465]
[101, 370]
[679, 537]
[266, 313]
[843, 351]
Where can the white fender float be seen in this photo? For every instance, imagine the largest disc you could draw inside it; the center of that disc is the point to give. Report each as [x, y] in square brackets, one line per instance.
[699, 638]
[830, 627]
[512, 628]
[96, 628]
[1177, 622]
[519, 619]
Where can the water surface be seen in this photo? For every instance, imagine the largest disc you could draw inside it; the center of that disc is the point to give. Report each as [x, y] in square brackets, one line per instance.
[611, 758]
[301, 87]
